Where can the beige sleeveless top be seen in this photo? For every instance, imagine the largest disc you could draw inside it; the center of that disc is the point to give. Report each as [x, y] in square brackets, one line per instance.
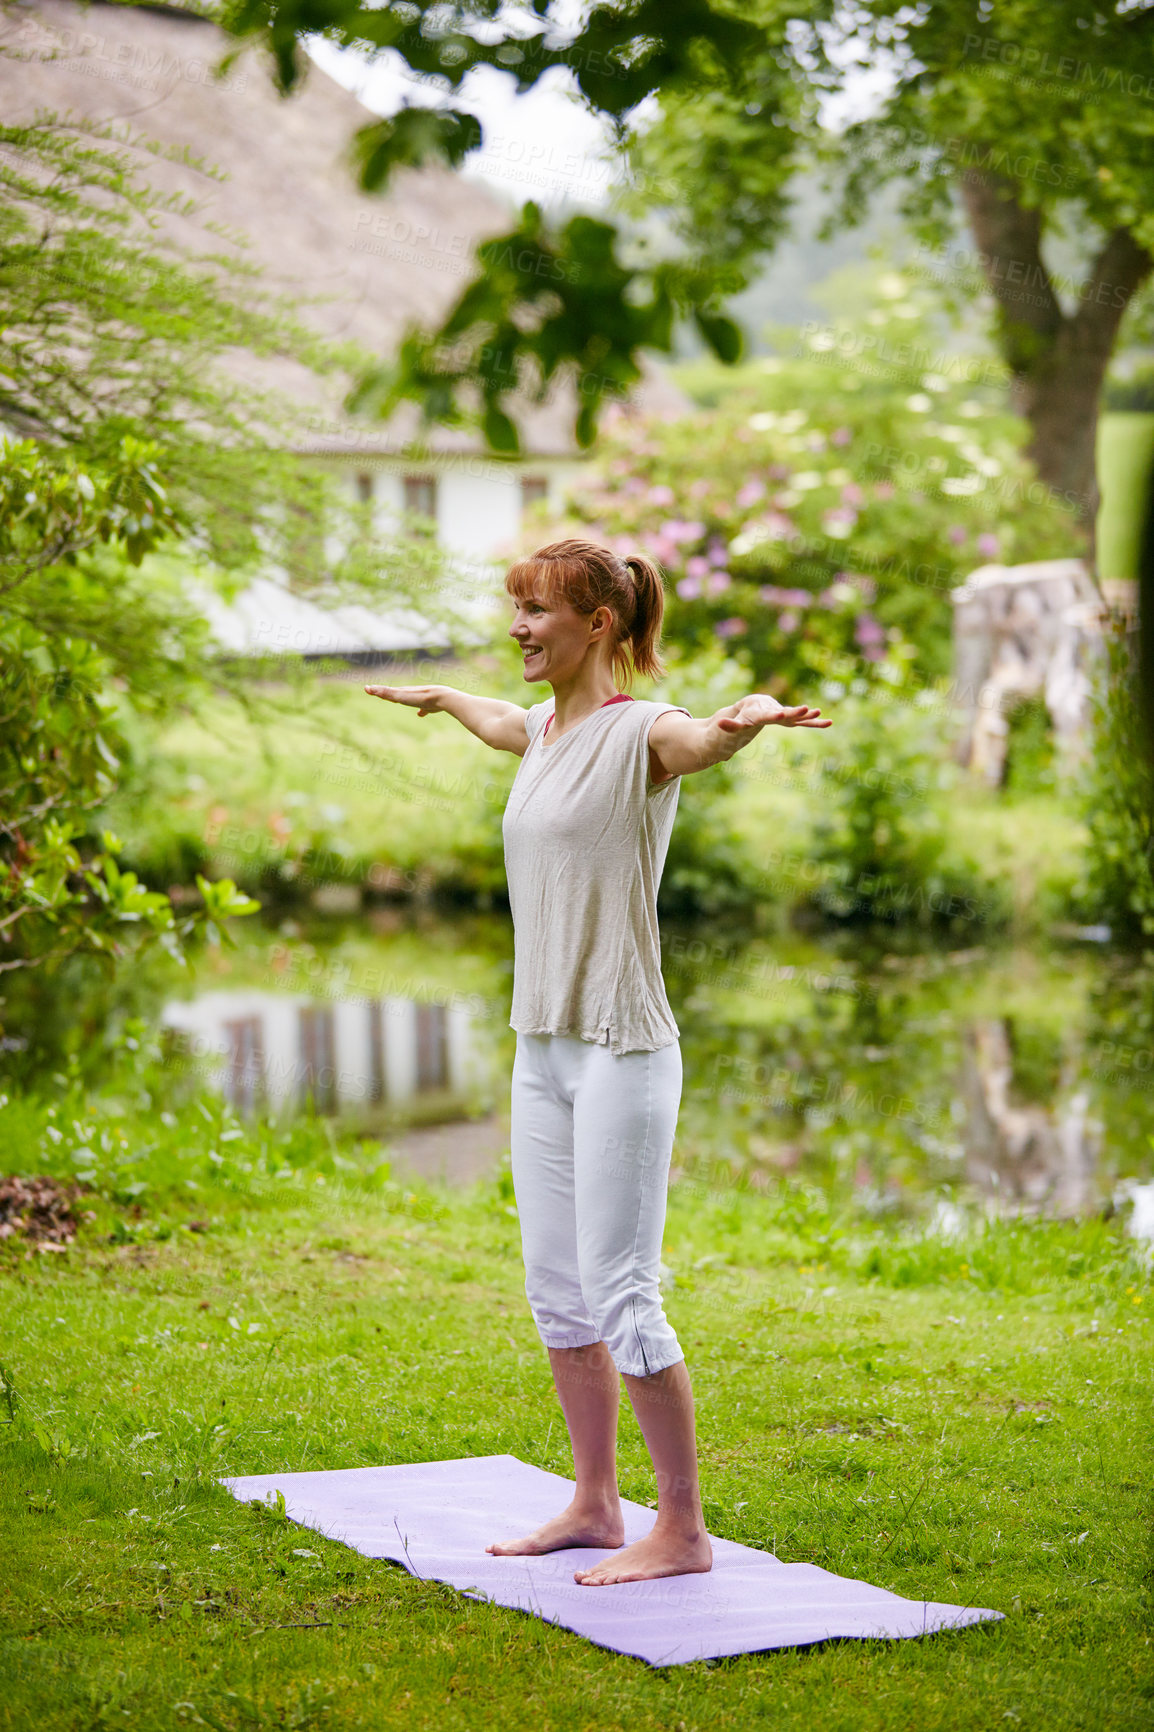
[586, 833]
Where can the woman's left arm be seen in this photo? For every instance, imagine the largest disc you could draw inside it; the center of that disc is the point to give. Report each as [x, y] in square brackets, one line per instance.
[679, 744]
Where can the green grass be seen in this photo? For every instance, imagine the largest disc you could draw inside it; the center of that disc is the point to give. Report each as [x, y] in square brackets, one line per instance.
[1125, 447]
[345, 788]
[959, 1420]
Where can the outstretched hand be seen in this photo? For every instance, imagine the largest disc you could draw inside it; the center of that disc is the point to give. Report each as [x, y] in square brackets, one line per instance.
[421, 698]
[749, 715]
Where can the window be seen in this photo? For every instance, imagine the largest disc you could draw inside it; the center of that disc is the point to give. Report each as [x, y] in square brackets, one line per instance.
[421, 495]
[364, 485]
[533, 488]
[244, 1081]
[318, 1075]
[432, 1046]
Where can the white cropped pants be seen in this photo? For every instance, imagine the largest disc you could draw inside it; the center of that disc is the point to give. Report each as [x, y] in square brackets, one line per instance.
[591, 1139]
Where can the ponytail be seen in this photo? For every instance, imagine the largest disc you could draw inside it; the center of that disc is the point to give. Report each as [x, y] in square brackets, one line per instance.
[645, 631]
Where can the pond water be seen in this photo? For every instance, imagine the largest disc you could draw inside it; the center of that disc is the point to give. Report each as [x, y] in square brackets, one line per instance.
[921, 1079]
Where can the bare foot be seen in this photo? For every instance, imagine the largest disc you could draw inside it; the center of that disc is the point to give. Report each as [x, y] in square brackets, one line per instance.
[573, 1527]
[660, 1553]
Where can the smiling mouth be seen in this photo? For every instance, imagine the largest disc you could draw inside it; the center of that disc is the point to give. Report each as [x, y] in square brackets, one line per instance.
[528, 654]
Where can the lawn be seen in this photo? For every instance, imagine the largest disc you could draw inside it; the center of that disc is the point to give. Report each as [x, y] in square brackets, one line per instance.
[1125, 448]
[959, 1420]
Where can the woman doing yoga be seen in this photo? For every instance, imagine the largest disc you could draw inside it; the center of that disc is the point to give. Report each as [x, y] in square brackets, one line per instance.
[596, 1082]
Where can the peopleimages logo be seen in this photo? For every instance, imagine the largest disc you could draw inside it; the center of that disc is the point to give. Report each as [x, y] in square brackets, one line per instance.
[1040, 63]
[120, 62]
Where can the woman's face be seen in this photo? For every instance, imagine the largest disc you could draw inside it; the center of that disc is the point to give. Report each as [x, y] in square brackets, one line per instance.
[554, 640]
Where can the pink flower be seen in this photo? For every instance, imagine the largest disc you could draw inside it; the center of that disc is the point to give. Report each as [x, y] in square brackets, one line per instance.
[749, 494]
[689, 588]
[851, 494]
[840, 436]
[884, 490]
[634, 485]
[779, 472]
[956, 534]
[789, 621]
[989, 546]
[697, 566]
[718, 552]
[868, 630]
[732, 627]
[678, 530]
[716, 582]
[873, 653]
[661, 495]
[698, 488]
[778, 597]
[779, 525]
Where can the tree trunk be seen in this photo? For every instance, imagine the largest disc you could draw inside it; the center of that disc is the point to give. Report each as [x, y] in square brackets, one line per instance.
[1058, 360]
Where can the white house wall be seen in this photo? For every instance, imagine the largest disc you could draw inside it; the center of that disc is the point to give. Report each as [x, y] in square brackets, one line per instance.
[479, 515]
[479, 508]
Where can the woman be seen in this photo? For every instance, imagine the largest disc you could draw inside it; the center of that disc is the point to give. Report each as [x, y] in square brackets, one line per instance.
[596, 1082]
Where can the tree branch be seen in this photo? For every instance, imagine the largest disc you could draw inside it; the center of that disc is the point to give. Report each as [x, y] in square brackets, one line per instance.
[1119, 271]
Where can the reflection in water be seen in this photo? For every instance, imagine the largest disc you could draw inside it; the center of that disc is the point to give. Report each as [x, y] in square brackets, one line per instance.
[1021, 1078]
[1034, 1156]
[277, 1050]
[916, 1077]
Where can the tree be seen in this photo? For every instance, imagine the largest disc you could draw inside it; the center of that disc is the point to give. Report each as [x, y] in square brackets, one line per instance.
[75, 625]
[1028, 121]
[136, 437]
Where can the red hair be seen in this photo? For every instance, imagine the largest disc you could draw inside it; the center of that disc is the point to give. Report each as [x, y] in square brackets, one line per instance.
[589, 577]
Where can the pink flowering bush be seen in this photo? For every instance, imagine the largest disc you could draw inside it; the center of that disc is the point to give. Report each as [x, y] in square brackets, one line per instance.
[816, 517]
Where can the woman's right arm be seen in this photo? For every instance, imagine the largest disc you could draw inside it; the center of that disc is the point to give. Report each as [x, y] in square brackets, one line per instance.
[500, 724]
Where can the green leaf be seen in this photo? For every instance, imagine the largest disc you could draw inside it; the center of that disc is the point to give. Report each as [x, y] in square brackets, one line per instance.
[722, 334]
[586, 428]
[413, 138]
[500, 431]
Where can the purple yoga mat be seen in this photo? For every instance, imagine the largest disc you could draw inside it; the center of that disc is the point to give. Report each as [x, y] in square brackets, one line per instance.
[436, 1518]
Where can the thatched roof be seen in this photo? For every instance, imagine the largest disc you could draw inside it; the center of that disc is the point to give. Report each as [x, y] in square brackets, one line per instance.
[381, 262]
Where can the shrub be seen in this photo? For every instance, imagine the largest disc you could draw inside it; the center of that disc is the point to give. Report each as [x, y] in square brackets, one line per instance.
[880, 829]
[819, 510]
[1116, 790]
